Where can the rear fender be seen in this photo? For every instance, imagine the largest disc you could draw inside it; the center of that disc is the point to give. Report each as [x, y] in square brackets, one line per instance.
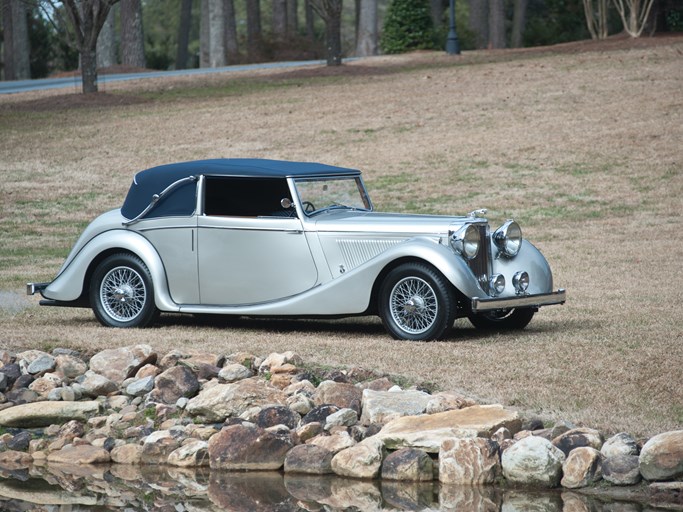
[71, 282]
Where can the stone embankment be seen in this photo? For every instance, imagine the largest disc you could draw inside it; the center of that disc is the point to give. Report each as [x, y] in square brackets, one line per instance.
[242, 412]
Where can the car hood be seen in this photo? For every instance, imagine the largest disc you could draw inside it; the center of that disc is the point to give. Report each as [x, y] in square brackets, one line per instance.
[376, 222]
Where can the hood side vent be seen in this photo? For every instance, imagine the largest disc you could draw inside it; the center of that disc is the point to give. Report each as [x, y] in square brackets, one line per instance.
[357, 252]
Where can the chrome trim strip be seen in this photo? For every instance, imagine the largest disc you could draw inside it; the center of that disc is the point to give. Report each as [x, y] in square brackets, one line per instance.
[157, 197]
[543, 299]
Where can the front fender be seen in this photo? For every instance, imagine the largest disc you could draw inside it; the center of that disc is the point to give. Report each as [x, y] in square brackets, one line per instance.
[70, 283]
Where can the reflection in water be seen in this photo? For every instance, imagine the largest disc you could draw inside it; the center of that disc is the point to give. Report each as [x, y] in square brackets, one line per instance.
[146, 488]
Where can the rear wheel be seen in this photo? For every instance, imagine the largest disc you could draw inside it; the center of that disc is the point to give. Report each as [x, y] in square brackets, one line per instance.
[416, 303]
[122, 293]
[502, 319]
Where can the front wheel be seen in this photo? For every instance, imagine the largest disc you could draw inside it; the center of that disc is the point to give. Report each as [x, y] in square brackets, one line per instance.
[416, 303]
[122, 293]
[502, 319]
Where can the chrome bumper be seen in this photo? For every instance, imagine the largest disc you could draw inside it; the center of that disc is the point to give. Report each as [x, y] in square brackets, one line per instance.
[527, 301]
[33, 288]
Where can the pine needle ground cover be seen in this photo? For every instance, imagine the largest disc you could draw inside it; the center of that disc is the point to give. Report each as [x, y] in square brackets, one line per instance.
[582, 147]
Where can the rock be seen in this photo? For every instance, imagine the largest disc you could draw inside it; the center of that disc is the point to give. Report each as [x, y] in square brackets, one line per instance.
[383, 406]
[19, 442]
[381, 384]
[42, 364]
[341, 418]
[45, 384]
[82, 454]
[429, 431]
[319, 414]
[619, 444]
[193, 453]
[343, 395]
[448, 401]
[470, 461]
[300, 404]
[140, 387]
[234, 372]
[309, 458]
[621, 469]
[274, 360]
[13, 457]
[582, 467]
[148, 370]
[118, 364]
[533, 461]
[23, 381]
[127, 454]
[158, 446]
[308, 431]
[11, 372]
[223, 400]
[95, 385]
[363, 460]
[71, 430]
[46, 413]
[174, 383]
[21, 396]
[408, 464]
[578, 437]
[662, 457]
[239, 447]
[277, 415]
[334, 443]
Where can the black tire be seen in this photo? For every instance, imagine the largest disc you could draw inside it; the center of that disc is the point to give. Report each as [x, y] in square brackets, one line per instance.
[122, 292]
[416, 303]
[502, 320]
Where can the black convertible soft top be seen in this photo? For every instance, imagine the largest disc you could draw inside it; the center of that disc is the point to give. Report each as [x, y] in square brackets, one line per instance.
[153, 181]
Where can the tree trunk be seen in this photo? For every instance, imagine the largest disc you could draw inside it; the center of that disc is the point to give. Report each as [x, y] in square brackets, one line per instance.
[367, 29]
[184, 26]
[437, 8]
[204, 37]
[279, 20]
[89, 70]
[231, 46]
[330, 11]
[106, 43]
[292, 17]
[132, 37]
[217, 52]
[310, 21]
[519, 23]
[496, 24]
[479, 22]
[253, 30]
[17, 47]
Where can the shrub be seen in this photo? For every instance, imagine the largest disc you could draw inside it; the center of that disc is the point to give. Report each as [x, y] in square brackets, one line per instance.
[408, 26]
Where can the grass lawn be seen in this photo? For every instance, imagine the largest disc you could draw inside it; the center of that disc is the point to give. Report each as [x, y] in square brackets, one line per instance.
[581, 144]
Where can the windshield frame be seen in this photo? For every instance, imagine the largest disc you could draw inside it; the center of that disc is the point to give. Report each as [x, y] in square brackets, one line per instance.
[354, 198]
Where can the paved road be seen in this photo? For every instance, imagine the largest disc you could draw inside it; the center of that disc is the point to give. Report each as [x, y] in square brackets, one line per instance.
[41, 84]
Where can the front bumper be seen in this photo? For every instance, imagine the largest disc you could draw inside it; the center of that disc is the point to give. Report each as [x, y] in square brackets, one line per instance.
[480, 305]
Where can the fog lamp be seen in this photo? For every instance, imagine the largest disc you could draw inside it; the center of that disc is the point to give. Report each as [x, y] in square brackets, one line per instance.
[496, 284]
[521, 281]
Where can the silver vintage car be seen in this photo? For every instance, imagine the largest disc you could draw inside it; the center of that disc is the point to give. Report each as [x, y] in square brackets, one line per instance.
[251, 237]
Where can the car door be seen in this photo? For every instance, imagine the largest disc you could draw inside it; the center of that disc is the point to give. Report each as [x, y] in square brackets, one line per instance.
[250, 249]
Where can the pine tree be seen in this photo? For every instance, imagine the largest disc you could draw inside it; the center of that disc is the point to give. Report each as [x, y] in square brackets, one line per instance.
[408, 26]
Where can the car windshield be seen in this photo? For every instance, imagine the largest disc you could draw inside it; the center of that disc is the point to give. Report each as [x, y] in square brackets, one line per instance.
[323, 194]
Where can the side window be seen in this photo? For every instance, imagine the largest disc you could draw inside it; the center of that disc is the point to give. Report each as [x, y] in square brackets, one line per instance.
[246, 197]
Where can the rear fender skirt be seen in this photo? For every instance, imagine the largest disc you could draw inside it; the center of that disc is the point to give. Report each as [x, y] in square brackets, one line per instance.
[69, 285]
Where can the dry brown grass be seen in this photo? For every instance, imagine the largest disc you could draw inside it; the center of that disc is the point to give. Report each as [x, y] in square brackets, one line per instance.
[583, 148]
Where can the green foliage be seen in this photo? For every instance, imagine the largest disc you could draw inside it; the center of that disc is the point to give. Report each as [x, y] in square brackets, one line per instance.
[408, 26]
[554, 21]
[42, 41]
[674, 20]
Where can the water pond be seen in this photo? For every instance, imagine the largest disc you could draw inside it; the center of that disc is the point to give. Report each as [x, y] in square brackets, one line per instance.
[61, 488]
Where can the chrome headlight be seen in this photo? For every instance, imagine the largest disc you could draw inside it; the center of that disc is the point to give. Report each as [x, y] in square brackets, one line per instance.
[521, 281]
[465, 241]
[508, 238]
[496, 284]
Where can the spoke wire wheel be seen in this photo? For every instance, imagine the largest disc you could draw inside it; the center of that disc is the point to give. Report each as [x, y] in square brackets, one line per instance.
[123, 294]
[413, 305]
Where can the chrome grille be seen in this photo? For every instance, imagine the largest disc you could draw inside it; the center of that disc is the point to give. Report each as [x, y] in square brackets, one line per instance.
[481, 264]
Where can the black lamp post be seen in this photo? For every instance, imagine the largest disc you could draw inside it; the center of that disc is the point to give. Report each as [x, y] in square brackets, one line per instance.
[452, 43]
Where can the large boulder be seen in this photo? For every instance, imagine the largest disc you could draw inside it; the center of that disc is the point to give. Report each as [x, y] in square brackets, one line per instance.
[310, 459]
[578, 437]
[192, 453]
[81, 454]
[341, 394]
[174, 383]
[335, 443]
[662, 457]
[363, 460]
[383, 406]
[118, 364]
[619, 444]
[469, 461]
[94, 385]
[408, 464]
[240, 447]
[621, 470]
[533, 461]
[582, 467]
[42, 414]
[216, 403]
[427, 432]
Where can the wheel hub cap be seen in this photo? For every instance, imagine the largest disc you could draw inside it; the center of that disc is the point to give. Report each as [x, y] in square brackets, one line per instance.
[413, 305]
